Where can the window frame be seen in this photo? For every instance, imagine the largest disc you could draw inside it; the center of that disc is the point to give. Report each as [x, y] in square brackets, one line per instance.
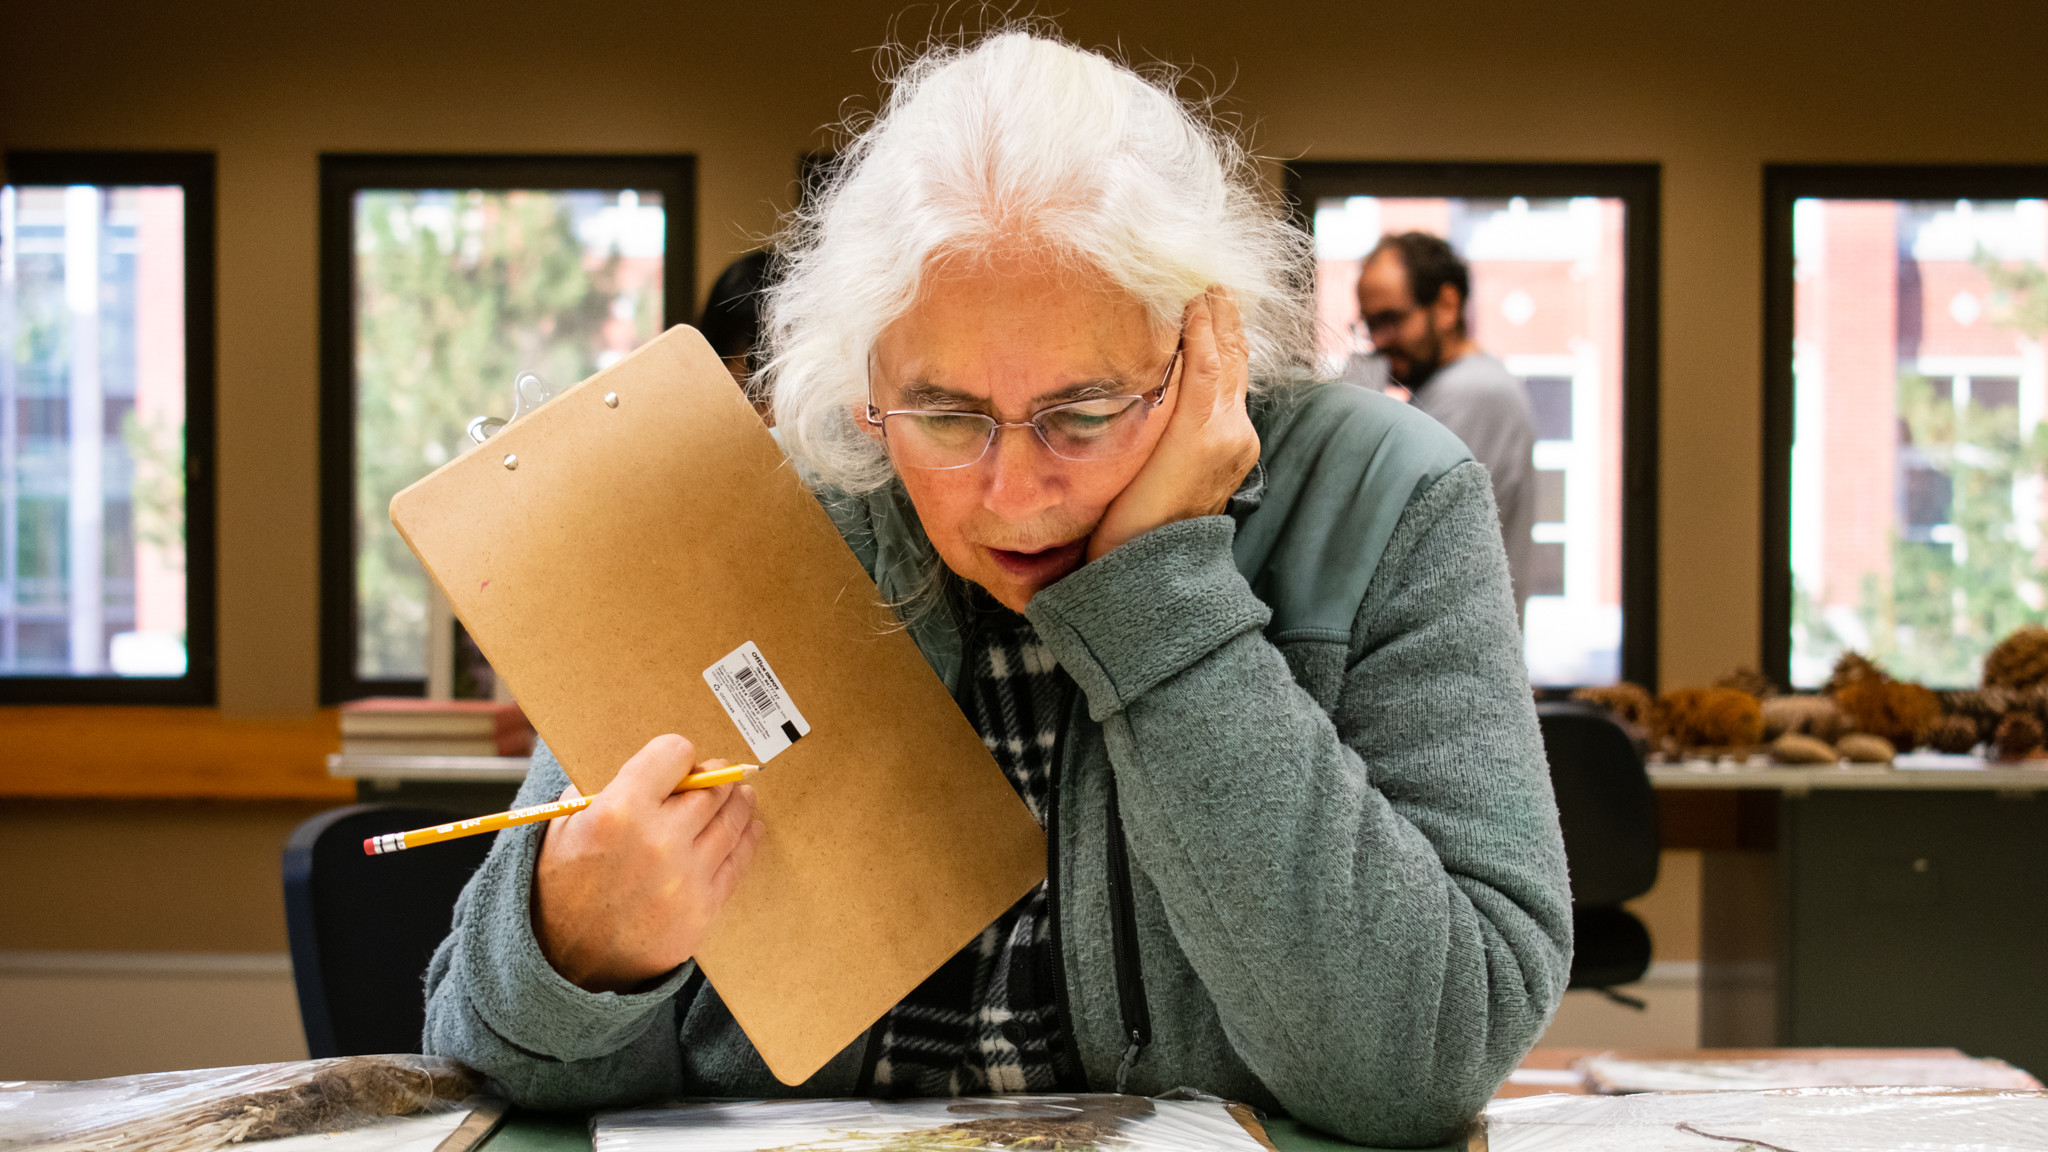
[194, 173]
[1783, 186]
[342, 175]
[1638, 187]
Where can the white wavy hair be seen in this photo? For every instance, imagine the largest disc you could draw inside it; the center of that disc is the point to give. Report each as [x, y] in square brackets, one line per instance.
[1020, 139]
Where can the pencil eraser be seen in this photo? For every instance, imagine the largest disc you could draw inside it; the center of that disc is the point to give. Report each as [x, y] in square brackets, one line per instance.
[369, 846]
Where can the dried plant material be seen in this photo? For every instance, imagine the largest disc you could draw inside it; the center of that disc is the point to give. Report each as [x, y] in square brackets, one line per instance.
[269, 1102]
[1853, 668]
[1900, 712]
[1747, 679]
[2018, 661]
[1025, 1123]
[1953, 734]
[1793, 748]
[1982, 707]
[1630, 703]
[1815, 716]
[2033, 701]
[1708, 718]
[1864, 748]
[1022, 1134]
[2018, 737]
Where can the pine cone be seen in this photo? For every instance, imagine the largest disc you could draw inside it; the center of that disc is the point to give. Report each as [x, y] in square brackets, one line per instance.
[2019, 736]
[2019, 661]
[1983, 707]
[1953, 733]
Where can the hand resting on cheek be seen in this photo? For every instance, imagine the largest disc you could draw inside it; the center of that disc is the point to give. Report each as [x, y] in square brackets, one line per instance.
[1209, 445]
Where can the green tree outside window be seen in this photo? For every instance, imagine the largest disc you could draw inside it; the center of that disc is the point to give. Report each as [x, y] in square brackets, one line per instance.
[458, 292]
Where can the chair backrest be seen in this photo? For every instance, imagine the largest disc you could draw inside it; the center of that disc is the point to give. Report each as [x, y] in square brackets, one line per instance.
[363, 927]
[1604, 802]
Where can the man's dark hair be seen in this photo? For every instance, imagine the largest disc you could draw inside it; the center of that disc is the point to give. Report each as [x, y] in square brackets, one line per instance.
[1431, 263]
[732, 312]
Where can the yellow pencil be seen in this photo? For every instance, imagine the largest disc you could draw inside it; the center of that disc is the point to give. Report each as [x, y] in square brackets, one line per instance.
[476, 826]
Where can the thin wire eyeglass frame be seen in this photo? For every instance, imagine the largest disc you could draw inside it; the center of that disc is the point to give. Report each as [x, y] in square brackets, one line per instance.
[878, 418]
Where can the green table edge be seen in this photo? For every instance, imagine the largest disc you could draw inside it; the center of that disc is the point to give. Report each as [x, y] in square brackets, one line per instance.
[544, 1132]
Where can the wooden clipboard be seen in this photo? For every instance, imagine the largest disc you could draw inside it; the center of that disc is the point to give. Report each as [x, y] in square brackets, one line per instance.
[608, 548]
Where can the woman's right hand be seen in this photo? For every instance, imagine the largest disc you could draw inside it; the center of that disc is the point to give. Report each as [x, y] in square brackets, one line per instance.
[626, 888]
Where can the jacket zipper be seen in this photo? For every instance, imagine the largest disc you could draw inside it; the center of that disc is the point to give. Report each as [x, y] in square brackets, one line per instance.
[1052, 902]
[1123, 942]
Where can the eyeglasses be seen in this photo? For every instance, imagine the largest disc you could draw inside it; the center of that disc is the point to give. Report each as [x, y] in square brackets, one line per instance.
[1101, 428]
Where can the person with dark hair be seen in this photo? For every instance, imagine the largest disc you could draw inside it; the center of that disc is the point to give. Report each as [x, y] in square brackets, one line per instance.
[732, 321]
[1411, 297]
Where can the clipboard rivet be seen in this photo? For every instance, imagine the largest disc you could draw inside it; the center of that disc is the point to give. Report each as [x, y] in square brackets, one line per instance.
[611, 399]
[511, 461]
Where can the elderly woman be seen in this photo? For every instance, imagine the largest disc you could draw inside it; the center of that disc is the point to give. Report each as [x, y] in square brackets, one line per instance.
[1243, 642]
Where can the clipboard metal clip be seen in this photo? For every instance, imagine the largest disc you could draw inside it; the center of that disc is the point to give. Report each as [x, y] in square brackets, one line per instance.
[529, 391]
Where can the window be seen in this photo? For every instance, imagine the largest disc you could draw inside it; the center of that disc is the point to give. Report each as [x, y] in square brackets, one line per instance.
[1563, 262]
[1904, 395]
[106, 428]
[443, 279]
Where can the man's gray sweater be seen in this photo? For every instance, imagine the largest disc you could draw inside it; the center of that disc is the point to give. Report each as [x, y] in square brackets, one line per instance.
[1347, 878]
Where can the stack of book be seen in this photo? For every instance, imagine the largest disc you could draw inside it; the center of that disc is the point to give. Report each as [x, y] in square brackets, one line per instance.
[383, 726]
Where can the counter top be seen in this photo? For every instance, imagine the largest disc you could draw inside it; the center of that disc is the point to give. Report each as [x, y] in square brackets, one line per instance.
[1911, 772]
[480, 769]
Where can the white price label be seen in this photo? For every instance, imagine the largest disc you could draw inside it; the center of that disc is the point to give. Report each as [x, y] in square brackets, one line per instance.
[759, 706]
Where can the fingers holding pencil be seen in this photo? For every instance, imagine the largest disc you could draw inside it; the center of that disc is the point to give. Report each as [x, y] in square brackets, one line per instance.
[672, 858]
[714, 778]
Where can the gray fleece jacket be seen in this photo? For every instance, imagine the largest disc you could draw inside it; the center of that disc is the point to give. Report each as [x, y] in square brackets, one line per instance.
[1346, 881]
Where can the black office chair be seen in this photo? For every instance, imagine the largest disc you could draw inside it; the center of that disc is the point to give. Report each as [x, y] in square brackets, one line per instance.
[1609, 815]
[362, 928]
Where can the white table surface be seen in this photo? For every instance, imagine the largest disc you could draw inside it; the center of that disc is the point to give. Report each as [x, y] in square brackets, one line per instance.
[1912, 772]
[481, 769]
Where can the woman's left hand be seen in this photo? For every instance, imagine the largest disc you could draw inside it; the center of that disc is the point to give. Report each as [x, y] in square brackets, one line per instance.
[1209, 444]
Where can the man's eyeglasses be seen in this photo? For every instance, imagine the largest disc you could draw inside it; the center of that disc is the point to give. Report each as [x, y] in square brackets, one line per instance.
[1101, 428]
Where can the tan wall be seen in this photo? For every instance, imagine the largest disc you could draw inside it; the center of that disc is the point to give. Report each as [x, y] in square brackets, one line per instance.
[1710, 91]
[144, 876]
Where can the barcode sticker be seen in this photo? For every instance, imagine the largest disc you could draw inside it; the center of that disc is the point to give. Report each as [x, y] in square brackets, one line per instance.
[749, 692]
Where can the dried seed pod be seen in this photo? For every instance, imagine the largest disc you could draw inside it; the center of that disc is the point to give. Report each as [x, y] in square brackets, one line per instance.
[1708, 718]
[2018, 661]
[1853, 668]
[1816, 716]
[2019, 736]
[1863, 748]
[1747, 679]
[1953, 733]
[1793, 748]
[1902, 713]
[1630, 703]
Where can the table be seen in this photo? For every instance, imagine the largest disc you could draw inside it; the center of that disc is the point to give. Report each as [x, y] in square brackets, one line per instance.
[1869, 906]
[531, 1132]
[1924, 772]
[470, 785]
